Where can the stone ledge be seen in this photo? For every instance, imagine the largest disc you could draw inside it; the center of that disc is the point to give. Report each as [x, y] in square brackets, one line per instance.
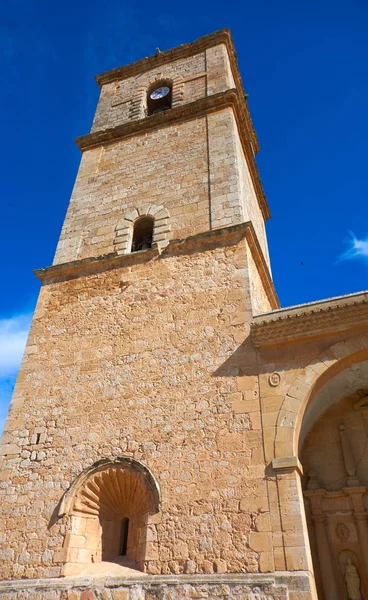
[279, 580]
[175, 115]
[148, 580]
[201, 241]
[93, 265]
[199, 108]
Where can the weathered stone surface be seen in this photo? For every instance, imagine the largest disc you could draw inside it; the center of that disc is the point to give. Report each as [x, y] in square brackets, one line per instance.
[164, 410]
[248, 587]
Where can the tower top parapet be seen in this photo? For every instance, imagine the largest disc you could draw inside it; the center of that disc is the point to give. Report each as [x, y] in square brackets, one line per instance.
[222, 36]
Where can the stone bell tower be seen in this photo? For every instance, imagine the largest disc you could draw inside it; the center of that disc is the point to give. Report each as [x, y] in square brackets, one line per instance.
[134, 437]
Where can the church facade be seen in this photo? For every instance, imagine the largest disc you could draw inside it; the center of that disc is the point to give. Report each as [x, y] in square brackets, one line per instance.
[173, 432]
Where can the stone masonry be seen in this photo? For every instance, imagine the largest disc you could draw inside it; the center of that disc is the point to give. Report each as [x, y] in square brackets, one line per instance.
[163, 392]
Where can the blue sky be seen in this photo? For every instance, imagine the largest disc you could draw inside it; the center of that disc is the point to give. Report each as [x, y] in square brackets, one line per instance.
[304, 65]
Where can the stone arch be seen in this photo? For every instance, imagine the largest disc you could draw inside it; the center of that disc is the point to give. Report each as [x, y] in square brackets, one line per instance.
[138, 104]
[124, 228]
[177, 89]
[307, 383]
[162, 104]
[111, 500]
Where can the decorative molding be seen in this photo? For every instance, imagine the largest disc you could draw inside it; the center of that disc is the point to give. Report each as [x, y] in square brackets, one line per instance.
[126, 463]
[311, 321]
[342, 531]
[342, 502]
[178, 114]
[274, 379]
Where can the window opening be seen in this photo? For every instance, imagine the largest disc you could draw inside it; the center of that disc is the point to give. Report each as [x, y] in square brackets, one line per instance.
[124, 537]
[142, 234]
[38, 438]
[159, 98]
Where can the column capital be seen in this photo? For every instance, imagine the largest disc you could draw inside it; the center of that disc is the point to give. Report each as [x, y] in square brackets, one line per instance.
[356, 496]
[360, 516]
[320, 518]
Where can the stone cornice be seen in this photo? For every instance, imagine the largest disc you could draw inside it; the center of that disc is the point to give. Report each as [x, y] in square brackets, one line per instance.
[179, 114]
[307, 322]
[223, 36]
[201, 241]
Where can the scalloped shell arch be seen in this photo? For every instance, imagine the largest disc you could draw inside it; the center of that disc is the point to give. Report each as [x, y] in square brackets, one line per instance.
[114, 491]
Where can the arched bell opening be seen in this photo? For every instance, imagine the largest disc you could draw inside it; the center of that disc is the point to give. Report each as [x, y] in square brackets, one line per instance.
[142, 235]
[159, 97]
[333, 450]
[111, 510]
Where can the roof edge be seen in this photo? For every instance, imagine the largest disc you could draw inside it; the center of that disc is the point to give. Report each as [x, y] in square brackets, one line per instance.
[160, 58]
[309, 307]
[312, 321]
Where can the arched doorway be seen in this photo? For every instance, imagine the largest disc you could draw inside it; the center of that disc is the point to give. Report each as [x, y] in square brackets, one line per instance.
[333, 450]
[110, 508]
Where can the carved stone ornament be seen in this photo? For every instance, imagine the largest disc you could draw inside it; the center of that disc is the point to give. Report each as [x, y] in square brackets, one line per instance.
[274, 379]
[342, 531]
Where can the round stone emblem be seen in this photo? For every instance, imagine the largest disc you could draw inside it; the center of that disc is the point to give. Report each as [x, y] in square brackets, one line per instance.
[342, 531]
[274, 379]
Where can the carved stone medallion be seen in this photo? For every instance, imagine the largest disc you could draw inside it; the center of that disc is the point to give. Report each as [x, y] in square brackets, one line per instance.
[342, 531]
[274, 379]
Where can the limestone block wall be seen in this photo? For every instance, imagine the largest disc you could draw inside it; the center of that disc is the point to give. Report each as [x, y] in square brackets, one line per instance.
[248, 201]
[195, 170]
[192, 78]
[165, 168]
[151, 360]
[232, 196]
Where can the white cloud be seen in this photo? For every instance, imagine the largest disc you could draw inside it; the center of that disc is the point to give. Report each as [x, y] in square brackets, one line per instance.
[357, 248]
[13, 337]
[6, 390]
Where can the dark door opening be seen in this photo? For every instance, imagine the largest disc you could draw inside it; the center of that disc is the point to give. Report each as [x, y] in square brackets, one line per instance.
[124, 537]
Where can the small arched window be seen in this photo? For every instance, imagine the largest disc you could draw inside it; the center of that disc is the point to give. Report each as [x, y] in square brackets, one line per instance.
[159, 98]
[142, 234]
